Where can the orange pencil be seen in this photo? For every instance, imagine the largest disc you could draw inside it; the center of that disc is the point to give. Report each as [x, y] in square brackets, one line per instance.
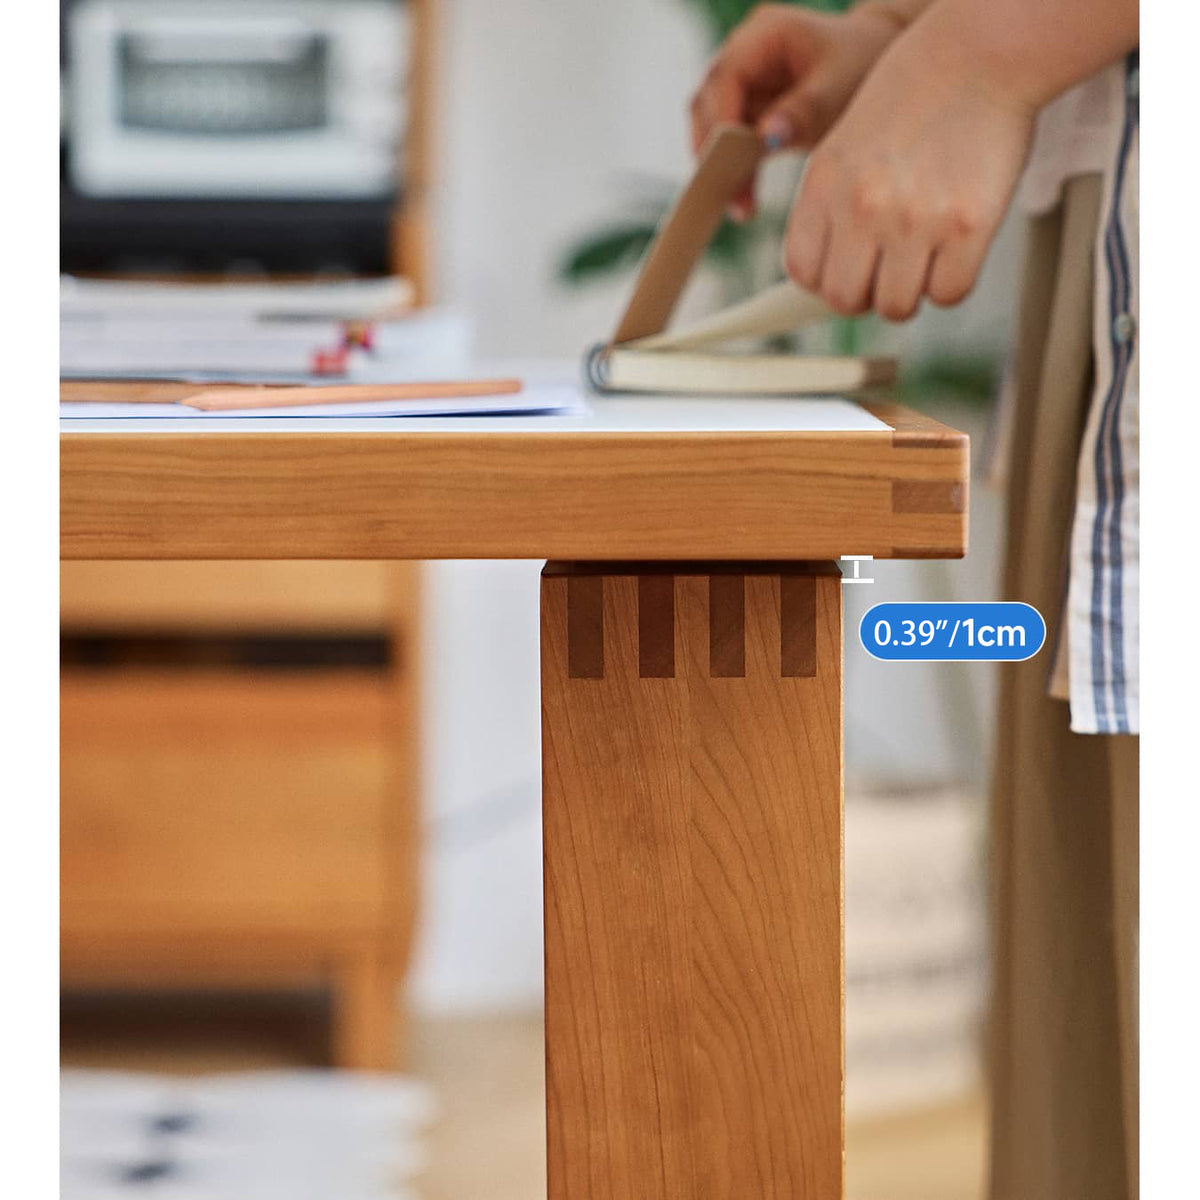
[222, 399]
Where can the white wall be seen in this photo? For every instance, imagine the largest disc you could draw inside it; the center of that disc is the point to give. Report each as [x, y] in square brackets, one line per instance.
[480, 944]
[547, 108]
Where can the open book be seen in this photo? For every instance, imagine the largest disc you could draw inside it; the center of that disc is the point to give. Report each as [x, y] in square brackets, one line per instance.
[641, 357]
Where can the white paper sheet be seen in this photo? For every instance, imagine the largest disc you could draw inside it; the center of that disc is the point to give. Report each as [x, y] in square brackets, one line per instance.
[558, 400]
[603, 414]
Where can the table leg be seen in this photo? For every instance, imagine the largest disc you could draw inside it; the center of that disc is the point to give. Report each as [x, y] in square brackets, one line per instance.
[692, 794]
[366, 1013]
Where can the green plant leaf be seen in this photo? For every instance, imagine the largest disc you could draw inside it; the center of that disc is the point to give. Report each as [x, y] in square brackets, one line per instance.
[723, 16]
[731, 243]
[606, 252]
[970, 377]
[848, 335]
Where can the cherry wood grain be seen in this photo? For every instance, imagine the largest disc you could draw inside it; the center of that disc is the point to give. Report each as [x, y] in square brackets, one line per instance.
[564, 495]
[693, 866]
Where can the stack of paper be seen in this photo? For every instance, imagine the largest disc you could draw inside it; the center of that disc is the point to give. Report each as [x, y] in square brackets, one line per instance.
[253, 331]
[272, 1135]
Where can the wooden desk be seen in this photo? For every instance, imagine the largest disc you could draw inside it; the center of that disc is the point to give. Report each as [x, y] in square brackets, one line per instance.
[691, 710]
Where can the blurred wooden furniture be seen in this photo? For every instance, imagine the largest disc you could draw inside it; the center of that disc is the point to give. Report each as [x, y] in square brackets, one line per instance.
[692, 719]
[412, 250]
[233, 812]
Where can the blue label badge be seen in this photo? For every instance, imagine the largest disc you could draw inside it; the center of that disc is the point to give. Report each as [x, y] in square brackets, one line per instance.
[991, 631]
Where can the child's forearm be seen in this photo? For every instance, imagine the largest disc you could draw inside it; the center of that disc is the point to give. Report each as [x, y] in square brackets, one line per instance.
[1028, 50]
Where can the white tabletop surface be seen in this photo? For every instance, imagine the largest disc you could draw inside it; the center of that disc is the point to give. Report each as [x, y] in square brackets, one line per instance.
[602, 414]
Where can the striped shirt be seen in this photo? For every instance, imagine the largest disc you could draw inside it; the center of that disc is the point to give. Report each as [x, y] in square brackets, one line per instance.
[1094, 128]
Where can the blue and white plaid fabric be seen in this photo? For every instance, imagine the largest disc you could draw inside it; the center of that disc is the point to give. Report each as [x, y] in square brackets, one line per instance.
[1102, 600]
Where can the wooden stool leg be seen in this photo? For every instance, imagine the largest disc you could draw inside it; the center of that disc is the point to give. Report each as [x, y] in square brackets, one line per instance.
[692, 793]
[366, 1015]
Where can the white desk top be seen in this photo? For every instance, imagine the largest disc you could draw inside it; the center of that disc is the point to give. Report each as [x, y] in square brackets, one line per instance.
[602, 414]
[642, 414]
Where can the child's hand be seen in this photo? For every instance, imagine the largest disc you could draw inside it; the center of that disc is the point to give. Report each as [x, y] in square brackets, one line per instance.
[790, 72]
[904, 195]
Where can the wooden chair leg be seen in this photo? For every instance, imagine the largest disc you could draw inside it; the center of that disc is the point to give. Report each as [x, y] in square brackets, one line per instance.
[366, 1015]
[692, 791]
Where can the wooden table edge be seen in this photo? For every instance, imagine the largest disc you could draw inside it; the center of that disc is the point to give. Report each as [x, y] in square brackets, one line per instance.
[637, 495]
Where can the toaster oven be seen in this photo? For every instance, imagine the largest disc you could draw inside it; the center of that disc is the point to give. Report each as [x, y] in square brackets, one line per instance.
[236, 99]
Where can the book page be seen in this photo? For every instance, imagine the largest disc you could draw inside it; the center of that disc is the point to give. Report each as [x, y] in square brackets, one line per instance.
[781, 308]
